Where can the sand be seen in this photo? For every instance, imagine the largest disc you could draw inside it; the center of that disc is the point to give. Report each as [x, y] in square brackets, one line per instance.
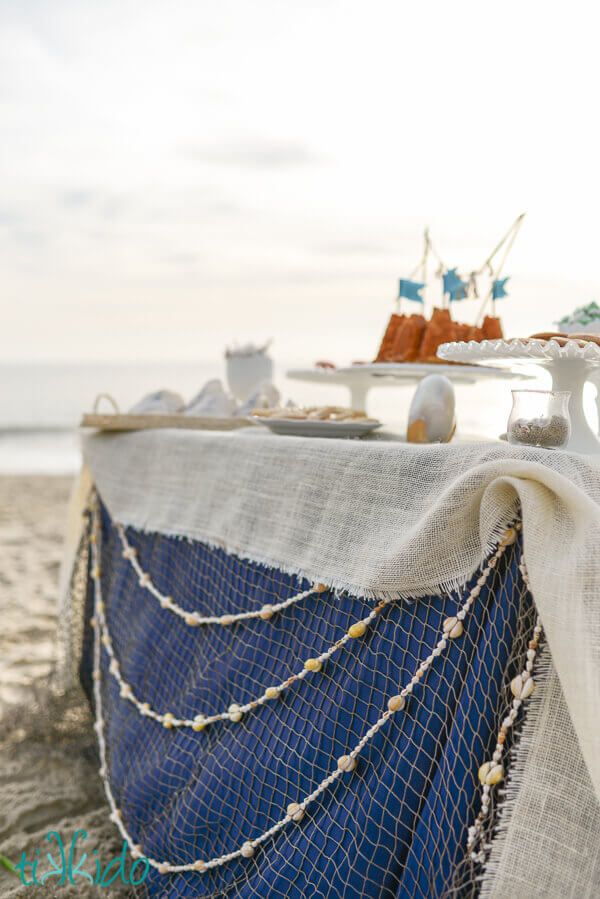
[48, 761]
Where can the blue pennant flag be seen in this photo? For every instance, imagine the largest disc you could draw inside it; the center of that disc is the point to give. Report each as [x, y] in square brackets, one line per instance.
[498, 289]
[410, 290]
[454, 286]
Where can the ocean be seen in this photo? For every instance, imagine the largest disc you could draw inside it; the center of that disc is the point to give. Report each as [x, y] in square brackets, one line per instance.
[41, 404]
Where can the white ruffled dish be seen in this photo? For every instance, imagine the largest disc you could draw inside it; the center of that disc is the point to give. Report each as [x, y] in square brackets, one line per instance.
[498, 352]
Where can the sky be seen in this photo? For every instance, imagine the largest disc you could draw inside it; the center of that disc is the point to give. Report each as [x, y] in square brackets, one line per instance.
[176, 176]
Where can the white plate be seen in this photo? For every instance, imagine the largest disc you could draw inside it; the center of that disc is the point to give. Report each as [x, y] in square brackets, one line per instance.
[306, 427]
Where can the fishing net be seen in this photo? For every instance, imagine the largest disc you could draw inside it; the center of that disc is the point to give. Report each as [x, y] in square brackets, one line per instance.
[395, 826]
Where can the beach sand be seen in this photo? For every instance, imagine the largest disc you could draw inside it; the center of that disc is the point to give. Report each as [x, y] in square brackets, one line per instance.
[48, 761]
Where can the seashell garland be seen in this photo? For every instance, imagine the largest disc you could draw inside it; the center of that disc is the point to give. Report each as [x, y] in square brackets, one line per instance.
[492, 772]
[295, 810]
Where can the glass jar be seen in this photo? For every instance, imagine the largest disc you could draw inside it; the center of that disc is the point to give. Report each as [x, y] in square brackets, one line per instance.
[540, 418]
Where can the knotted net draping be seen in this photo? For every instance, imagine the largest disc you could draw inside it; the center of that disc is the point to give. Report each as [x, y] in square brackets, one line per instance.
[395, 827]
[383, 519]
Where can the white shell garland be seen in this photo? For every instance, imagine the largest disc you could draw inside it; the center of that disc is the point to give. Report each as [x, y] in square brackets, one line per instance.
[235, 712]
[295, 811]
[492, 772]
[194, 619]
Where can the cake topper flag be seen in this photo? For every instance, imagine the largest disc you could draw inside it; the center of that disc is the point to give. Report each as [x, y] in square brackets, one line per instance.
[410, 290]
[498, 288]
[454, 286]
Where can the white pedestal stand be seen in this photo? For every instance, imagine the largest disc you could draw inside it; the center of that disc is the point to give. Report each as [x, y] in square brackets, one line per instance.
[571, 374]
[569, 366]
[360, 379]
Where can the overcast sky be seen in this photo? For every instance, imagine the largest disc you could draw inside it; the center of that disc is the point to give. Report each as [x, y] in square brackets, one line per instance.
[178, 175]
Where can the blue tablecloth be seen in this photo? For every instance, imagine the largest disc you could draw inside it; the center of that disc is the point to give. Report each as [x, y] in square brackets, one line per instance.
[395, 827]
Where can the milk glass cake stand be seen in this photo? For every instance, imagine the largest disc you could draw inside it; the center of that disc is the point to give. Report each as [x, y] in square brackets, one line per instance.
[359, 379]
[569, 366]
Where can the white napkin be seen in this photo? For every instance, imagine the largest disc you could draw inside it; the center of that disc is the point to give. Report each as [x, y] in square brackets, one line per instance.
[165, 402]
[212, 401]
[265, 397]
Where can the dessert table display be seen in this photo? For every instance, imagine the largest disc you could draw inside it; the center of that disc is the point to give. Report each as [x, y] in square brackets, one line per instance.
[344, 668]
[568, 363]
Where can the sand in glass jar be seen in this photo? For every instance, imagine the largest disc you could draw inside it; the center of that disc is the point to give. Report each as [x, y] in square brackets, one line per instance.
[540, 418]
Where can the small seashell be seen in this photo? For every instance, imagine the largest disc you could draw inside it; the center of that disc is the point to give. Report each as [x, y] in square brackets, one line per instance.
[295, 812]
[358, 629]
[346, 763]
[453, 628]
[247, 850]
[490, 774]
[313, 665]
[235, 713]
[395, 703]
[266, 612]
[271, 693]
[522, 687]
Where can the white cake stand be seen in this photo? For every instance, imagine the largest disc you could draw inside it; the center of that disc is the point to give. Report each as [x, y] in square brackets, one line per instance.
[569, 366]
[359, 379]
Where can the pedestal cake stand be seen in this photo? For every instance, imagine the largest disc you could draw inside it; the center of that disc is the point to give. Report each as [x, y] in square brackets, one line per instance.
[359, 379]
[569, 366]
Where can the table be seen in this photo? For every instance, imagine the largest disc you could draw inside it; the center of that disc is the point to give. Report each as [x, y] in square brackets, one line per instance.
[226, 524]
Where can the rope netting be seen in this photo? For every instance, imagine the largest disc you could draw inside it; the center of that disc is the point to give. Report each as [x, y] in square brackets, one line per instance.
[228, 748]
